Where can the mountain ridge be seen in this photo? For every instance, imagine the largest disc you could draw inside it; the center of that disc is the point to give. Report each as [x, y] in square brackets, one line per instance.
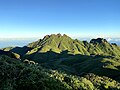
[60, 43]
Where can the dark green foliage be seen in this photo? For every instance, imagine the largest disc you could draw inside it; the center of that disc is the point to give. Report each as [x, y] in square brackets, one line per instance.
[15, 75]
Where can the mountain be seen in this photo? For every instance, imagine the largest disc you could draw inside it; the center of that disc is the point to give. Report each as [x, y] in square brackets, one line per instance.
[77, 57]
[72, 62]
[54, 49]
[58, 43]
[61, 43]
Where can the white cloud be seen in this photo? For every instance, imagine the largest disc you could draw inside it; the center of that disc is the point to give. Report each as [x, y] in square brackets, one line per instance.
[109, 39]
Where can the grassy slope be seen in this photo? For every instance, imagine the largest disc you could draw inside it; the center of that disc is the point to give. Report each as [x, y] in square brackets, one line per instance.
[58, 43]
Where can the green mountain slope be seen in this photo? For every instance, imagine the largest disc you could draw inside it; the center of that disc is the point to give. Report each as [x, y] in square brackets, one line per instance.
[15, 75]
[61, 43]
[58, 43]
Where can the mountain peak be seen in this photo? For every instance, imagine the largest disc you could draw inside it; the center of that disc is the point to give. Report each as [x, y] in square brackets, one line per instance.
[56, 36]
[99, 40]
[47, 36]
[52, 41]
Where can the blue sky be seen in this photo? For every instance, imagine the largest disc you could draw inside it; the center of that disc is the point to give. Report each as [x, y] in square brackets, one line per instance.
[77, 18]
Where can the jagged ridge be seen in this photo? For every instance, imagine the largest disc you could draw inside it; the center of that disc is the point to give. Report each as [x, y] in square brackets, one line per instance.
[58, 43]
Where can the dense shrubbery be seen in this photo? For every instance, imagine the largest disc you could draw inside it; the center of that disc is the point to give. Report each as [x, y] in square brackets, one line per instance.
[15, 75]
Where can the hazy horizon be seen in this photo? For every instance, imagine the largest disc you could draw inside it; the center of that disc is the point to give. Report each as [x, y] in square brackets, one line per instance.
[20, 42]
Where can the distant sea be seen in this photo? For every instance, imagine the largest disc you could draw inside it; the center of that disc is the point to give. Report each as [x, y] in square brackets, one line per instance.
[15, 42]
[117, 42]
[24, 42]
[114, 40]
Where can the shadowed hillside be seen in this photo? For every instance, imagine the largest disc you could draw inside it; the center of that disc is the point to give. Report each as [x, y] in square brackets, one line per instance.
[10, 54]
[16, 75]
